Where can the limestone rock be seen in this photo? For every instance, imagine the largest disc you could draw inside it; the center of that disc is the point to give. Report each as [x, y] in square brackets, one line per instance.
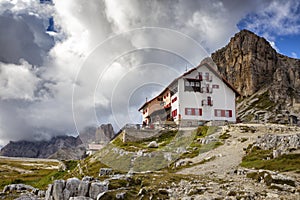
[72, 186]
[58, 188]
[153, 144]
[97, 188]
[105, 171]
[104, 133]
[48, 195]
[83, 188]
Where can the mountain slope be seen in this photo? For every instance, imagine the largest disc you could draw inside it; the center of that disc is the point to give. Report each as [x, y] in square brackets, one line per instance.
[268, 81]
[41, 149]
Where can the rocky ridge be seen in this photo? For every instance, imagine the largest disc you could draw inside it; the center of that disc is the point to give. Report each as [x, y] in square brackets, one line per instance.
[251, 65]
[45, 149]
[60, 147]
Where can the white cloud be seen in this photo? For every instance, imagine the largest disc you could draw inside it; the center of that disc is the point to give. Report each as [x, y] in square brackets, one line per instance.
[275, 18]
[294, 55]
[18, 81]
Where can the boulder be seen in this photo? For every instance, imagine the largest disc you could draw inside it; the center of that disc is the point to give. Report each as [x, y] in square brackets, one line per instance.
[18, 188]
[48, 195]
[105, 171]
[83, 189]
[72, 186]
[153, 144]
[120, 195]
[97, 188]
[87, 178]
[58, 188]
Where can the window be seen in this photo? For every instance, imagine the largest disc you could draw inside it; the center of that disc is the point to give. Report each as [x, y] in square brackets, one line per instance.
[198, 111]
[193, 111]
[174, 113]
[215, 86]
[209, 101]
[200, 76]
[206, 76]
[188, 111]
[175, 99]
[218, 113]
[228, 113]
[207, 88]
[223, 113]
[192, 85]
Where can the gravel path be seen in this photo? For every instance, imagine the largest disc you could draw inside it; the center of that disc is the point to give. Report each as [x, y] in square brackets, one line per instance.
[227, 157]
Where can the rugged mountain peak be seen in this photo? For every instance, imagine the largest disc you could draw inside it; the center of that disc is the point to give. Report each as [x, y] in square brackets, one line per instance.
[252, 66]
[104, 133]
[248, 62]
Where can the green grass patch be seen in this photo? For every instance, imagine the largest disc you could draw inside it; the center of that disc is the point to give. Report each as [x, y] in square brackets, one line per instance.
[210, 146]
[225, 136]
[257, 159]
[28, 172]
[154, 163]
[163, 140]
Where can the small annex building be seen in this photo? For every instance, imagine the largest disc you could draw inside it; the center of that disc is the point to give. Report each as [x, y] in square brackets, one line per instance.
[199, 95]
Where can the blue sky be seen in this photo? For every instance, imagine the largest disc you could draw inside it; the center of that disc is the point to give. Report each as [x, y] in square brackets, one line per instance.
[278, 22]
[289, 45]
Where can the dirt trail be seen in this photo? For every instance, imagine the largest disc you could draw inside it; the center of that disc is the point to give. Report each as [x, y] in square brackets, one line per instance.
[227, 157]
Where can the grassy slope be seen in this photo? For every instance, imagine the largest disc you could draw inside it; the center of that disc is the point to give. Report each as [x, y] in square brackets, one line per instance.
[36, 173]
[258, 159]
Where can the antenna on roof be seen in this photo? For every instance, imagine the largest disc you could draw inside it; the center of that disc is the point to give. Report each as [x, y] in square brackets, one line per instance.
[186, 67]
[146, 99]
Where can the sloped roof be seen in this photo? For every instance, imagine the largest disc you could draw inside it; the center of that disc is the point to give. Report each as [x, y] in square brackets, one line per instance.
[190, 71]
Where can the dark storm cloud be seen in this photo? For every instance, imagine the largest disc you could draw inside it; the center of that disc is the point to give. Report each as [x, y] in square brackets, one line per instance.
[23, 37]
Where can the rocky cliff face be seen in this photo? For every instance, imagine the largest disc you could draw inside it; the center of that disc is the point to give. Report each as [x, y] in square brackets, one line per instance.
[253, 67]
[53, 148]
[104, 133]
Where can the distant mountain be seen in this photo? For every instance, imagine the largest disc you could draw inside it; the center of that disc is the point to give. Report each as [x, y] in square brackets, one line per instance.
[60, 147]
[101, 134]
[268, 81]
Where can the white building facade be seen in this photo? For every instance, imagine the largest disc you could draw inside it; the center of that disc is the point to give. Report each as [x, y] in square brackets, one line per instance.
[200, 95]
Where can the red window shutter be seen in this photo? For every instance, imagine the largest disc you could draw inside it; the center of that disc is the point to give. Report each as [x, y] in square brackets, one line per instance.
[186, 111]
[200, 112]
[223, 113]
[193, 111]
[175, 113]
[230, 113]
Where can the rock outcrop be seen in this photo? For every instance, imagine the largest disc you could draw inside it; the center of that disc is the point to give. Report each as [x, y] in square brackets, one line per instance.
[250, 64]
[60, 147]
[104, 133]
[74, 188]
[280, 144]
